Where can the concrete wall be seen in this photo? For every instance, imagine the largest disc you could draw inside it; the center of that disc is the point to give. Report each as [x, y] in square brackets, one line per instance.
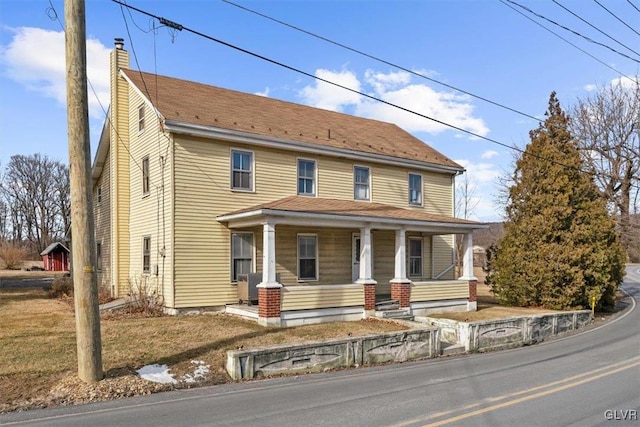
[339, 353]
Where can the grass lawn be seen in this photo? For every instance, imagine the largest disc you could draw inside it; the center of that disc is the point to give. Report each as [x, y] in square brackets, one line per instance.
[38, 348]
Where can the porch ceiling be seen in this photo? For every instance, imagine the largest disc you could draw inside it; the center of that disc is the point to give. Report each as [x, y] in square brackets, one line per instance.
[313, 211]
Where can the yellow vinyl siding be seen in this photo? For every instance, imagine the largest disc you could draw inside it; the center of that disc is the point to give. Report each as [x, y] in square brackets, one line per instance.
[314, 297]
[384, 249]
[438, 193]
[442, 248]
[102, 215]
[439, 291]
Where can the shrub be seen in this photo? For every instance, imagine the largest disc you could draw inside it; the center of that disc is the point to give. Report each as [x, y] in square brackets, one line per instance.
[144, 296]
[61, 287]
[13, 254]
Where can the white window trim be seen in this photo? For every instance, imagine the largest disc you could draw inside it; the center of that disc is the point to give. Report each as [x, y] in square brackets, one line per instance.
[141, 119]
[315, 176]
[253, 254]
[148, 191]
[421, 204]
[317, 278]
[369, 183]
[98, 195]
[253, 171]
[143, 239]
[409, 239]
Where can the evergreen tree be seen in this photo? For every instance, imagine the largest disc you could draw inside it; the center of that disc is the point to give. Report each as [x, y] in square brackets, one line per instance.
[560, 247]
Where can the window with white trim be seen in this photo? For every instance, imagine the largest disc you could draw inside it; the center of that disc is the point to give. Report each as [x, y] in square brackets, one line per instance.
[242, 170]
[99, 256]
[241, 254]
[99, 195]
[146, 254]
[141, 118]
[145, 176]
[361, 178]
[307, 257]
[306, 177]
[415, 189]
[415, 257]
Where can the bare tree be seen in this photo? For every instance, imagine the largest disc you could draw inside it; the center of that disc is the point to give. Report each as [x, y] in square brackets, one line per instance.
[466, 204]
[607, 127]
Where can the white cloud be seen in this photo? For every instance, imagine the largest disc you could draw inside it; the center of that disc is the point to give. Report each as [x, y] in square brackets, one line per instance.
[625, 82]
[489, 154]
[590, 87]
[395, 88]
[328, 96]
[481, 177]
[265, 92]
[35, 58]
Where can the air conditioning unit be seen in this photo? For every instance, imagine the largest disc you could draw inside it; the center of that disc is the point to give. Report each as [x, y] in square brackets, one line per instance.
[247, 287]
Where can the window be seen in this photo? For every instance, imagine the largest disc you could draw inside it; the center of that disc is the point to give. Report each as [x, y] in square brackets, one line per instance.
[361, 183]
[146, 255]
[145, 175]
[415, 257]
[307, 177]
[415, 189]
[241, 170]
[241, 254]
[99, 195]
[307, 257]
[141, 118]
[99, 256]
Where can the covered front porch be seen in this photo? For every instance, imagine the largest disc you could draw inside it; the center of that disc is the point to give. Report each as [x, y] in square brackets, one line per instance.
[328, 260]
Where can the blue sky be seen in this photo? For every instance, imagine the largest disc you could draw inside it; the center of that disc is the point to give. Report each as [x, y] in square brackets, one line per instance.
[482, 46]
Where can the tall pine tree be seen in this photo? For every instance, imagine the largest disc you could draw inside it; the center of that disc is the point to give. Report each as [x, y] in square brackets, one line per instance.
[560, 247]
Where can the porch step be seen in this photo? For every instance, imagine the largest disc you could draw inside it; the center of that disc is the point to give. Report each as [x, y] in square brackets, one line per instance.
[395, 314]
[448, 349]
[387, 305]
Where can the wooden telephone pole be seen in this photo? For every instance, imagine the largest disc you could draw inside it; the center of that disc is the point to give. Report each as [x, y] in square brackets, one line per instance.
[85, 286]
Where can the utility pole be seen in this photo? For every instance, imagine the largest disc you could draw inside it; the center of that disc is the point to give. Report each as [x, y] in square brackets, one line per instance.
[85, 283]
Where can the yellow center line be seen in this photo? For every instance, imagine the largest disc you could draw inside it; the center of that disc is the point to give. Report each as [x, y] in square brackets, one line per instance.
[530, 397]
[511, 395]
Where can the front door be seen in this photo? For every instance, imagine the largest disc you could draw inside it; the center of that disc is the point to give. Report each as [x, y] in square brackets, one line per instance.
[355, 257]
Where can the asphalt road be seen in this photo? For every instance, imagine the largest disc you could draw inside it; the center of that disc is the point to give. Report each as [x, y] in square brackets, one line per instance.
[592, 378]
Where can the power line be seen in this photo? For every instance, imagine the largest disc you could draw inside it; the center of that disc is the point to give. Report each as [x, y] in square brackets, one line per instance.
[180, 27]
[383, 61]
[573, 31]
[564, 39]
[616, 16]
[595, 28]
[633, 5]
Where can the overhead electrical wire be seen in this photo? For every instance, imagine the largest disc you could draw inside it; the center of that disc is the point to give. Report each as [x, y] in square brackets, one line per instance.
[573, 31]
[633, 5]
[504, 2]
[181, 27]
[376, 58]
[595, 28]
[616, 16]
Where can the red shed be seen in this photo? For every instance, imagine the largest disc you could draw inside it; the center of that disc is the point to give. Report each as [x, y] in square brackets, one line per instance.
[56, 257]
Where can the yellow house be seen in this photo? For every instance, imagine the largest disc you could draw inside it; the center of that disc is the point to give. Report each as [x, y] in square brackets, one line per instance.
[197, 187]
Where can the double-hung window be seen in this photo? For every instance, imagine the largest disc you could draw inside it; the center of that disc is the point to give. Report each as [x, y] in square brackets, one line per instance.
[141, 118]
[415, 189]
[145, 176]
[361, 180]
[99, 256]
[146, 255]
[415, 257]
[242, 170]
[307, 257]
[241, 254]
[306, 177]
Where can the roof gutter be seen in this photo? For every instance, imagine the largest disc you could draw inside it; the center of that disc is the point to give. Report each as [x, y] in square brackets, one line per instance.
[286, 144]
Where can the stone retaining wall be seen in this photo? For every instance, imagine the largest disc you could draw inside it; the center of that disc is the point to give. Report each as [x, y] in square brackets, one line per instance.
[338, 353]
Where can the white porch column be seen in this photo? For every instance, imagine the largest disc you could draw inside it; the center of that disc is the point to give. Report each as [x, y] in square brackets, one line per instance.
[467, 258]
[366, 273]
[400, 272]
[269, 257]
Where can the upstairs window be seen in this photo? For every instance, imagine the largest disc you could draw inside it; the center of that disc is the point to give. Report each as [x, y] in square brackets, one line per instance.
[361, 190]
[241, 254]
[99, 195]
[415, 189]
[146, 255]
[415, 257]
[141, 118]
[306, 177]
[99, 256]
[242, 170]
[145, 175]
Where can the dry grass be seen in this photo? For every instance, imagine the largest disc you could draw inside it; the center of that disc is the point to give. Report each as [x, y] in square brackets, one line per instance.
[38, 342]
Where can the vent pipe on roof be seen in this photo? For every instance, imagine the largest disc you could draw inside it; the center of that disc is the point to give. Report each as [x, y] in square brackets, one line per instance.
[119, 42]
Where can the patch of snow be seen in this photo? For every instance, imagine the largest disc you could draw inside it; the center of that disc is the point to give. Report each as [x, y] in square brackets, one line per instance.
[157, 374]
[200, 371]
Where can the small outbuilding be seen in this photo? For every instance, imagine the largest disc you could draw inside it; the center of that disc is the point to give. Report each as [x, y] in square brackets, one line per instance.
[56, 257]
